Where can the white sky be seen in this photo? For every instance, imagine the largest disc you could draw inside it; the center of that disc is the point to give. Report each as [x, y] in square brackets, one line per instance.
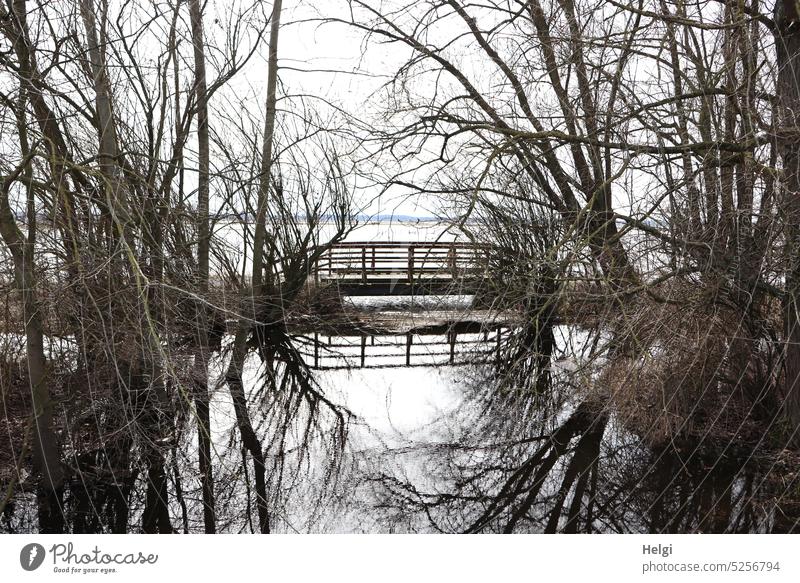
[325, 62]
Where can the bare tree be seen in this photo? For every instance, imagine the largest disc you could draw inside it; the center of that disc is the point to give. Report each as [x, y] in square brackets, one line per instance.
[236, 367]
[622, 158]
[203, 254]
[787, 47]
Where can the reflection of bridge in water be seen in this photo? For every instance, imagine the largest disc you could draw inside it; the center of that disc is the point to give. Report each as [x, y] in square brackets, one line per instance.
[420, 331]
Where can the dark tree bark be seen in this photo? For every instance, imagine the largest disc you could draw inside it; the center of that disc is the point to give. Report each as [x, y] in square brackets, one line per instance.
[787, 22]
[47, 466]
[46, 458]
[201, 398]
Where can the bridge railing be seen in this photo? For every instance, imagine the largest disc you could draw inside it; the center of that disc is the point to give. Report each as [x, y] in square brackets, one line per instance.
[407, 261]
[402, 350]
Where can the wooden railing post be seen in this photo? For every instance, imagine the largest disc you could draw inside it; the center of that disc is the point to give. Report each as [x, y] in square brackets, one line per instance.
[363, 350]
[364, 264]
[411, 264]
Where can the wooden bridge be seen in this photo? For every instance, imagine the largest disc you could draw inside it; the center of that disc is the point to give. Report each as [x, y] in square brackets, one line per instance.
[403, 268]
[396, 335]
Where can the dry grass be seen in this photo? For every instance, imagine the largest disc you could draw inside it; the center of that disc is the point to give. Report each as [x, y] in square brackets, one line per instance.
[694, 366]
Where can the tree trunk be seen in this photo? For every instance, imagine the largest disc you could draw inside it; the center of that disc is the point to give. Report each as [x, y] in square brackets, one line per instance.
[46, 459]
[201, 397]
[787, 45]
[255, 296]
[260, 235]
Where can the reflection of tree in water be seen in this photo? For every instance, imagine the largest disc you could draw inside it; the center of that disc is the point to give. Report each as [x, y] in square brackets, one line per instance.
[691, 489]
[637, 189]
[573, 479]
[540, 449]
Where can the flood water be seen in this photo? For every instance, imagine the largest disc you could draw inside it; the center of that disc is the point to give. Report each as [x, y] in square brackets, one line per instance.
[435, 447]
